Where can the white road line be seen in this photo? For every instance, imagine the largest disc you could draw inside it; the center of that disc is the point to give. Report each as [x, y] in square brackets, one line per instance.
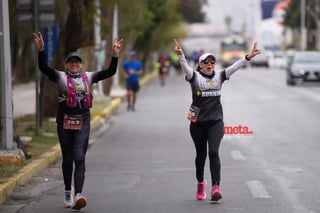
[257, 189]
[236, 155]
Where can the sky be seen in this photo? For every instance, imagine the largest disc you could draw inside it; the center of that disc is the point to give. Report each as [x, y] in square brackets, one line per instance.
[241, 11]
[245, 14]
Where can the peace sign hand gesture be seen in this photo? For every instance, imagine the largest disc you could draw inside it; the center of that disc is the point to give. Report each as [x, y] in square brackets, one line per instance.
[178, 47]
[255, 51]
[39, 41]
[116, 48]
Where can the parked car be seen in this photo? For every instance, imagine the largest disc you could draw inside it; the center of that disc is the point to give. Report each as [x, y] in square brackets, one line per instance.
[303, 66]
[261, 59]
[278, 59]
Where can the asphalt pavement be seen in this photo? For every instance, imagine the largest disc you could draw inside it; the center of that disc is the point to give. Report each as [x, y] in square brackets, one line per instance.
[144, 162]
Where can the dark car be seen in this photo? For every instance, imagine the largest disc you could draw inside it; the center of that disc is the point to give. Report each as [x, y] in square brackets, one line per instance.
[303, 66]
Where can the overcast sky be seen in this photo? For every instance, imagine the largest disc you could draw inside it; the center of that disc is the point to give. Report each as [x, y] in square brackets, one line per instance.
[241, 12]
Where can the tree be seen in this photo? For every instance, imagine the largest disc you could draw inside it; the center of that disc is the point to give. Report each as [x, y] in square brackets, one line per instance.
[155, 26]
[292, 19]
[21, 41]
[191, 10]
[292, 15]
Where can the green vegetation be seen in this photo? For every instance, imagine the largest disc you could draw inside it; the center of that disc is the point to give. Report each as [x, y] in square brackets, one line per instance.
[292, 20]
[7, 171]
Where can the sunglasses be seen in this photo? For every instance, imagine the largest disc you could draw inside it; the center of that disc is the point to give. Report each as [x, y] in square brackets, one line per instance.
[206, 61]
[74, 61]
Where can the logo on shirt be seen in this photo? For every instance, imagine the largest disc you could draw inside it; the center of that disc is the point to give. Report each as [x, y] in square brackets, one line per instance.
[208, 93]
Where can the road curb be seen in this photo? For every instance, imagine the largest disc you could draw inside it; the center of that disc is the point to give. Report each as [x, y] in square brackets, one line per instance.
[115, 103]
[36, 166]
[27, 172]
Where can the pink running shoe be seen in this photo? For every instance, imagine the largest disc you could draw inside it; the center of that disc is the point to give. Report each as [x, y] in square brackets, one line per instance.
[201, 190]
[215, 193]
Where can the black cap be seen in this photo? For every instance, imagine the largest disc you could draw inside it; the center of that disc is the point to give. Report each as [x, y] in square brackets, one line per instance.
[71, 55]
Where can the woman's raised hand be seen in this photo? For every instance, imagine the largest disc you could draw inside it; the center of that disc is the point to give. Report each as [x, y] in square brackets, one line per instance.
[116, 48]
[255, 51]
[178, 48]
[39, 41]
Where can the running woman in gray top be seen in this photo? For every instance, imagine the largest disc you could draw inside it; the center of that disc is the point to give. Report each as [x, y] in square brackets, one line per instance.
[206, 114]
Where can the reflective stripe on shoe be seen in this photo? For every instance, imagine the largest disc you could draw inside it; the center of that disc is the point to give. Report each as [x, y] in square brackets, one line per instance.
[79, 203]
[215, 193]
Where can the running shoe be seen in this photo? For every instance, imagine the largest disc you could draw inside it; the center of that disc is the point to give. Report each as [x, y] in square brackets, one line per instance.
[68, 198]
[201, 190]
[215, 193]
[79, 202]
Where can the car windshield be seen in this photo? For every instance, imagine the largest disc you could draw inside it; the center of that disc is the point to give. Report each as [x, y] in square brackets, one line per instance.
[307, 58]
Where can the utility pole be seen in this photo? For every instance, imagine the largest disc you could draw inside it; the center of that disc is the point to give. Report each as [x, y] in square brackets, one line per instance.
[303, 30]
[115, 36]
[98, 45]
[6, 117]
[116, 90]
[37, 71]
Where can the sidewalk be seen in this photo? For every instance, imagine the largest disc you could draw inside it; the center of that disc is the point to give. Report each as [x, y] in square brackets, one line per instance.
[24, 99]
[26, 94]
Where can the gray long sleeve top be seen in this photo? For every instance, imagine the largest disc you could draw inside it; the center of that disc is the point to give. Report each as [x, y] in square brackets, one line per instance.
[206, 89]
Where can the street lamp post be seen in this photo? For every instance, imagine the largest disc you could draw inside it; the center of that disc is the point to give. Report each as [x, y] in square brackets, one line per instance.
[97, 41]
[303, 25]
[6, 117]
[116, 83]
[116, 90]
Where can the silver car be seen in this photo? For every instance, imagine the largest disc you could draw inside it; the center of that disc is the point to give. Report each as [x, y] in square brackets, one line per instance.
[303, 66]
[261, 59]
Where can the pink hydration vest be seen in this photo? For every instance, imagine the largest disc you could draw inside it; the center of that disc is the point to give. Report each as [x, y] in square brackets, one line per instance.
[72, 95]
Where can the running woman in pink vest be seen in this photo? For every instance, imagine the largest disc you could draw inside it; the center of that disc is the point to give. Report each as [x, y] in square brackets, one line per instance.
[73, 115]
[205, 114]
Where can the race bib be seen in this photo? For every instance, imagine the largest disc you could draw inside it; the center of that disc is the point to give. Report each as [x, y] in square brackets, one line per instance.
[72, 122]
[193, 113]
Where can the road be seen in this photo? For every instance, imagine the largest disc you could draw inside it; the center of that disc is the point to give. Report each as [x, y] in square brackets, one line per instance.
[145, 161]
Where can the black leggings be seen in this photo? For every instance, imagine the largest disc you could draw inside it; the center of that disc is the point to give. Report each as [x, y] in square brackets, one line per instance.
[212, 133]
[74, 145]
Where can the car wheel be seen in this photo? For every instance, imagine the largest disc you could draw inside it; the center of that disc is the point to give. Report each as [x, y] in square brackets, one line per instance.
[298, 80]
[290, 80]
